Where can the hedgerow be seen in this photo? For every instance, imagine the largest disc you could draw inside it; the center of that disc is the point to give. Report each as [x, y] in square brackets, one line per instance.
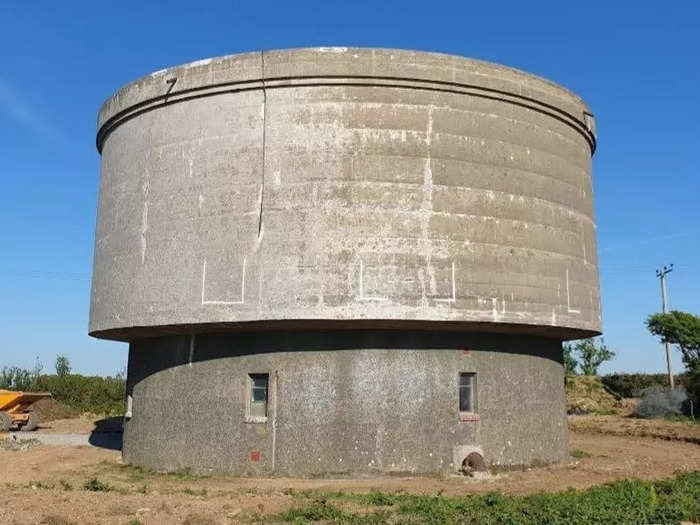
[94, 394]
[98, 395]
[632, 385]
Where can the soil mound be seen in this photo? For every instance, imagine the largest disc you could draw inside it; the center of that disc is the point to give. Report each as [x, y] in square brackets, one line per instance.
[587, 394]
[50, 410]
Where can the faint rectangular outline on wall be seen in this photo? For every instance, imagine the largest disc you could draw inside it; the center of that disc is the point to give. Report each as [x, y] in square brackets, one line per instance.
[568, 297]
[362, 296]
[204, 279]
[452, 299]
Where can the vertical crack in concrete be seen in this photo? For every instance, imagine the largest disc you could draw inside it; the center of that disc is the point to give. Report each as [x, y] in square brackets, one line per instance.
[264, 133]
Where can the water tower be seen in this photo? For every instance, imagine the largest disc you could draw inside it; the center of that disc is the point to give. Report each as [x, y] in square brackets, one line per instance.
[344, 261]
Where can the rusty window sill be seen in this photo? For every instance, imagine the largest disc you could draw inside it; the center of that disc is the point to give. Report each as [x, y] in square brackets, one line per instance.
[469, 416]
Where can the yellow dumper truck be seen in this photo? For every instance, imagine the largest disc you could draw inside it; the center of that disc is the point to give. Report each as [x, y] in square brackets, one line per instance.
[15, 409]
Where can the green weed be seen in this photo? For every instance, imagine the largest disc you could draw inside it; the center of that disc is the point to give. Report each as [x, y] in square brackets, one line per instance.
[623, 502]
[580, 454]
[95, 485]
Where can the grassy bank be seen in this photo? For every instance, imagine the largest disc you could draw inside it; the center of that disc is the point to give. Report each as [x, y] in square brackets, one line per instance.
[623, 502]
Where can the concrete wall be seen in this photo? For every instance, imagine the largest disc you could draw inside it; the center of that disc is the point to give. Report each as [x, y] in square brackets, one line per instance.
[345, 186]
[343, 402]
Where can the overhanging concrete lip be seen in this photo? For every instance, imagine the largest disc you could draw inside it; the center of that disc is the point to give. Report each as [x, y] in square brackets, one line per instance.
[131, 333]
[343, 66]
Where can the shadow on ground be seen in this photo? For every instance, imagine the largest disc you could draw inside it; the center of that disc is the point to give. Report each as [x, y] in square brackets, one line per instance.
[108, 433]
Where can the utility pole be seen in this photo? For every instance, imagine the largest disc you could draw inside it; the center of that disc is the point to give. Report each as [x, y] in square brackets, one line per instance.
[661, 274]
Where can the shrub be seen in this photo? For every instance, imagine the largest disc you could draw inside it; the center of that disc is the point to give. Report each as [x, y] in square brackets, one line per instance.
[632, 385]
[95, 485]
[658, 402]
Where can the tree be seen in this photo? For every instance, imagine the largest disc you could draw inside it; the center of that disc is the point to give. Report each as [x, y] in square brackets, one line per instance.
[15, 378]
[36, 373]
[591, 355]
[62, 365]
[681, 329]
[570, 362]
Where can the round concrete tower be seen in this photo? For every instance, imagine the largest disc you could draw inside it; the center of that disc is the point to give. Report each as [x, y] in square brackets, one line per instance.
[336, 260]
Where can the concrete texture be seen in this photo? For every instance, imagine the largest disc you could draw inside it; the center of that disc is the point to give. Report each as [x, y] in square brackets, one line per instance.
[348, 221]
[343, 402]
[381, 187]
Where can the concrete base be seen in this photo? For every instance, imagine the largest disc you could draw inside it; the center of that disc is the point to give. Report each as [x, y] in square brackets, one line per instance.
[343, 402]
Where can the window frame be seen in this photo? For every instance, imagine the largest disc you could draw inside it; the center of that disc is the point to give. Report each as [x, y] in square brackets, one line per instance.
[251, 388]
[473, 413]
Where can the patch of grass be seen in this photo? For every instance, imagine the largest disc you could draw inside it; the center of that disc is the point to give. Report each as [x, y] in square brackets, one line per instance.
[373, 497]
[134, 522]
[623, 502]
[580, 454]
[319, 510]
[191, 492]
[678, 418]
[65, 485]
[95, 485]
[606, 412]
[134, 473]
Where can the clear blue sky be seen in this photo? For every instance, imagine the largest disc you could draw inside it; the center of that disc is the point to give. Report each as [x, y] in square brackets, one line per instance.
[637, 64]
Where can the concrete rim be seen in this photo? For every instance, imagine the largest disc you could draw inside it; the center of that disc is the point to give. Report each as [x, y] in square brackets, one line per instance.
[341, 66]
[130, 333]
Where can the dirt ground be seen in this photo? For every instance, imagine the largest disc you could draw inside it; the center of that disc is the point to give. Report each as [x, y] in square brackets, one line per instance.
[630, 426]
[83, 424]
[45, 484]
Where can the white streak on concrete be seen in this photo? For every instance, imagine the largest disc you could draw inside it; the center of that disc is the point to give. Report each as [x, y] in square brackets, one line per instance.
[144, 217]
[426, 208]
[568, 297]
[494, 309]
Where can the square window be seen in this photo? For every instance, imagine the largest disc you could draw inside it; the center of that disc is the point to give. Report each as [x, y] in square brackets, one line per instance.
[257, 400]
[467, 392]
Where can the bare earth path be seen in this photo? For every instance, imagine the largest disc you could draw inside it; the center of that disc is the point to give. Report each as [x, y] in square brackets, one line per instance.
[45, 483]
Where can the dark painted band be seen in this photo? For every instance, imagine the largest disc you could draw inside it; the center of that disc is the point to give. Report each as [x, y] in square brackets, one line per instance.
[170, 96]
